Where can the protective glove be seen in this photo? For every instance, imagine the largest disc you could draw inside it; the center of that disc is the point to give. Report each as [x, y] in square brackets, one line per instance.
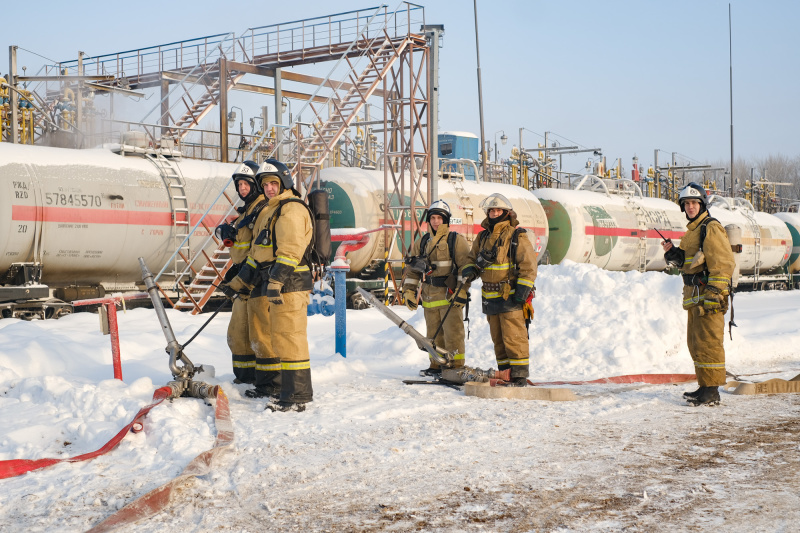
[410, 298]
[274, 292]
[523, 293]
[460, 298]
[232, 272]
[470, 273]
[674, 257]
[228, 291]
[712, 300]
[226, 233]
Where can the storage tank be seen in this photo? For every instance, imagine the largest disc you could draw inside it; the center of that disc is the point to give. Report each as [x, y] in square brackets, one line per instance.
[87, 215]
[792, 220]
[610, 224]
[356, 202]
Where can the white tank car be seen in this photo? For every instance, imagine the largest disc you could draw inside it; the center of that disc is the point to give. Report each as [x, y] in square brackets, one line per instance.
[610, 224]
[792, 220]
[766, 240]
[356, 203]
[87, 215]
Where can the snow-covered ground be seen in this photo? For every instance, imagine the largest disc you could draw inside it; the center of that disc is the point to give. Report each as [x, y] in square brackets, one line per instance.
[373, 454]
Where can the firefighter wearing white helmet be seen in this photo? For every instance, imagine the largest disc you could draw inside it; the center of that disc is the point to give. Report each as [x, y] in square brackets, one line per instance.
[237, 236]
[433, 265]
[706, 261]
[503, 257]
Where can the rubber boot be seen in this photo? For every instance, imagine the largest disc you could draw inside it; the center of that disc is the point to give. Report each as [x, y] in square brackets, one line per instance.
[519, 382]
[244, 368]
[268, 378]
[707, 396]
[296, 389]
[692, 394]
[431, 373]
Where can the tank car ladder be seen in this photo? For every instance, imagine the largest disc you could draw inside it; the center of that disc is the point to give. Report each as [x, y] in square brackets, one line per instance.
[756, 229]
[179, 206]
[466, 205]
[641, 222]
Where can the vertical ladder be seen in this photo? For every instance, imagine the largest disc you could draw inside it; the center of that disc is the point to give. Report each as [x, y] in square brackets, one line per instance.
[756, 229]
[641, 222]
[466, 205]
[179, 206]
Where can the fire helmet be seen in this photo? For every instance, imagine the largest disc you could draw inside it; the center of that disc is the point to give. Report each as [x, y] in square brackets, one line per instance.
[273, 167]
[495, 201]
[247, 172]
[693, 191]
[439, 207]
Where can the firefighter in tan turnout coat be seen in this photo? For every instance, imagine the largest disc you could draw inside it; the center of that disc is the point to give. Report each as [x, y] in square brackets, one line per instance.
[238, 237]
[435, 261]
[277, 269]
[707, 263]
[503, 257]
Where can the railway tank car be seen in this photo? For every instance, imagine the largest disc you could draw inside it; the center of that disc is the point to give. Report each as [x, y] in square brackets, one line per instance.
[792, 220]
[78, 218]
[357, 201]
[608, 223]
[766, 242]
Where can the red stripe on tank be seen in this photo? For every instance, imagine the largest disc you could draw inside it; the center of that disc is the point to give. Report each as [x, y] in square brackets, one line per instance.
[24, 213]
[631, 232]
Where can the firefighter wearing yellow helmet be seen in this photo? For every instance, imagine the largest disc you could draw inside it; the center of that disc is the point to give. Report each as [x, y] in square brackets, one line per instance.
[277, 270]
[435, 260]
[706, 261]
[503, 257]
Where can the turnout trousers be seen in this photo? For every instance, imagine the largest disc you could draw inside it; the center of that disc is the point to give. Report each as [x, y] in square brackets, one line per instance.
[242, 354]
[451, 336]
[704, 336]
[289, 324]
[510, 338]
[267, 364]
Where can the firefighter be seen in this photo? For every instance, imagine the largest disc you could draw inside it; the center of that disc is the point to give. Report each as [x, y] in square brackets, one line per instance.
[435, 261]
[238, 236]
[706, 261]
[257, 258]
[505, 260]
[284, 231]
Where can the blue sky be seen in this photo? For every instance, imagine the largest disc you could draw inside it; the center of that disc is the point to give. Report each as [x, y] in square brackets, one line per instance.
[627, 76]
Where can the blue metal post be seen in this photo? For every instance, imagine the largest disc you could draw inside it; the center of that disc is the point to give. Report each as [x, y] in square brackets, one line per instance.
[340, 294]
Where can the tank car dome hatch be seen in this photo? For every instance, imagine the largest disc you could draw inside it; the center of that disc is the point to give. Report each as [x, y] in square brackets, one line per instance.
[357, 204]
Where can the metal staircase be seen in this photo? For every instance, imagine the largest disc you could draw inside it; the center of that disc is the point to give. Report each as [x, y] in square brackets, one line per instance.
[367, 61]
[381, 55]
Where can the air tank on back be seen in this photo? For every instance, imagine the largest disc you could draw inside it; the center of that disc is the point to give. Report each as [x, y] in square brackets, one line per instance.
[86, 216]
[357, 204]
[610, 224]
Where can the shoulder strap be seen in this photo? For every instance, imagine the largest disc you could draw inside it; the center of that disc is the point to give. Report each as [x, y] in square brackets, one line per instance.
[704, 228]
[451, 244]
[271, 221]
[246, 220]
[514, 244]
[423, 243]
